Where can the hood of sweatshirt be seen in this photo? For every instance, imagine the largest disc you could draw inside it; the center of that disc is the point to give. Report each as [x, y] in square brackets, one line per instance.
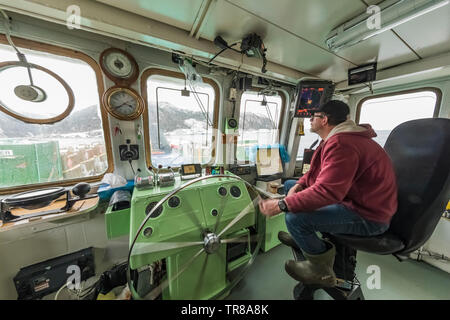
[350, 127]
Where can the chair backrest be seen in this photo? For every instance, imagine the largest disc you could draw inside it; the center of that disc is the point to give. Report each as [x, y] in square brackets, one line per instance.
[420, 152]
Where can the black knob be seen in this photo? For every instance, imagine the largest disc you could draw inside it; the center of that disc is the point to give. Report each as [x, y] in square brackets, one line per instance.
[174, 202]
[232, 123]
[222, 191]
[81, 189]
[156, 213]
[235, 191]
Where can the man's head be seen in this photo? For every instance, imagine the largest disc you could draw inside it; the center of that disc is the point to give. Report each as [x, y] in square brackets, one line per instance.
[328, 116]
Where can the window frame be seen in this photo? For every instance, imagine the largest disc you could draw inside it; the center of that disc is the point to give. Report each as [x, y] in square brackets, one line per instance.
[280, 121]
[435, 90]
[61, 51]
[301, 137]
[178, 75]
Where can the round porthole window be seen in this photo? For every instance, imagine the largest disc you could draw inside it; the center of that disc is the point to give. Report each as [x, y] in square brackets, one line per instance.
[42, 98]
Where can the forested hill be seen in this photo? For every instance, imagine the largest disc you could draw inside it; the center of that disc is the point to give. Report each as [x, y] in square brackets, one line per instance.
[176, 118]
[84, 120]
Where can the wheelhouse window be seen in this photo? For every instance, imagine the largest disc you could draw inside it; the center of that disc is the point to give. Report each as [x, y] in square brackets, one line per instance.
[307, 140]
[181, 117]
[385, 113]
[259, 122]
[70, 148]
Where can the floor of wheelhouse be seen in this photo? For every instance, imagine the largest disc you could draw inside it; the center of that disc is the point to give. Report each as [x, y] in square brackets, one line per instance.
[407, 280]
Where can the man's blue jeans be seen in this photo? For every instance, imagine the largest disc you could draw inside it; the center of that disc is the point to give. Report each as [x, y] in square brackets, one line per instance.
[333, 219]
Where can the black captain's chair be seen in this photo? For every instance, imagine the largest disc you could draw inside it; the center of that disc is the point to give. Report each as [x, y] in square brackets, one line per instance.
[420, 153]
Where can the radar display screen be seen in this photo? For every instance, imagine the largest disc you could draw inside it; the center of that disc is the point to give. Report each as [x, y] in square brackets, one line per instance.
[311, 95]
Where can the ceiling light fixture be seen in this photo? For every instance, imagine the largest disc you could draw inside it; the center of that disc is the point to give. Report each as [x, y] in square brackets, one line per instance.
[390, 14]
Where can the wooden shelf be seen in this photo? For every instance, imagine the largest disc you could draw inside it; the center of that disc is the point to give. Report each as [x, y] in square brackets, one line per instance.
[80, 207]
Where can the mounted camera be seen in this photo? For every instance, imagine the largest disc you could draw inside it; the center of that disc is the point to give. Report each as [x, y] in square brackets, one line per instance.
[253, 46]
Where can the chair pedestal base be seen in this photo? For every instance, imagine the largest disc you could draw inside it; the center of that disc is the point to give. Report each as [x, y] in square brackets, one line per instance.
[343, 294]
[305, 292]
[344, 267]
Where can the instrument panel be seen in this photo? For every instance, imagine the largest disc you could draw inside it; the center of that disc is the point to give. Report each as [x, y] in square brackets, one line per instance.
[187, 214]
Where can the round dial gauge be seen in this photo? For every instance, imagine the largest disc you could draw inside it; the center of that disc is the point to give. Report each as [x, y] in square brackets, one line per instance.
[123, 103]
[119, 66]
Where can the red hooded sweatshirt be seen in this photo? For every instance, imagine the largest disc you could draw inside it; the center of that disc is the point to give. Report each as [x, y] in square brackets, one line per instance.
[351, 169]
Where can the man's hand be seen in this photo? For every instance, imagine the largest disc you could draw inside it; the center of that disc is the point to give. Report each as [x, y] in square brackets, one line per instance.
[295, 188]
[269, 207]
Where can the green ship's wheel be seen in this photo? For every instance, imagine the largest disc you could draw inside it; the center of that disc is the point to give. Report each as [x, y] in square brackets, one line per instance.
[207, 255]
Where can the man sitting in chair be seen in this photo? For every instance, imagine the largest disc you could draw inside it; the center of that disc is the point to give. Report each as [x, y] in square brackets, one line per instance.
[350, 189]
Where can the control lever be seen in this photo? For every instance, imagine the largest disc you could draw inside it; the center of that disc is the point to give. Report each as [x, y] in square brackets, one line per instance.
[166, 179]
[144, 182]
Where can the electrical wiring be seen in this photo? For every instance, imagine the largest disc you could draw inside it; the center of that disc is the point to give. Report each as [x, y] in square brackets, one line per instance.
[209, 62]
[131, 165]
[198, 100]
[202, 109]
[86, 292]
[81, 293]
[228, 47]
[59, 290]
[200, 60]
[234, 108]
[107, 281]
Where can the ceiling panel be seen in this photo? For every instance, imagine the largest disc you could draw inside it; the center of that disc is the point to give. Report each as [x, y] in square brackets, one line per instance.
[178, 13]
[371, 2]
[294, 31]
[311, 20]
[282, 47]
[386, 48]
[429, 34]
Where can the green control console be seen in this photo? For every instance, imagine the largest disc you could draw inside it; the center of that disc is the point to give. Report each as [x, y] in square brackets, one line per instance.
[192, 231]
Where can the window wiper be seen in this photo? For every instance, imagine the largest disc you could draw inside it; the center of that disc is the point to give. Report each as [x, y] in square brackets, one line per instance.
[200, 104]
[270, 117]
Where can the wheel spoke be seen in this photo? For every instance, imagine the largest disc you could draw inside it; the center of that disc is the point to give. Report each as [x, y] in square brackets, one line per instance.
[241, 239]
[164, 284]
[243, 213]
[221, 211]
[192, 215]
[202, 276]
[139, 248]
[143, 248]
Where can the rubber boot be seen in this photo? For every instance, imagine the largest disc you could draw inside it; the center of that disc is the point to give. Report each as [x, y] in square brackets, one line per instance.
[316, 270]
